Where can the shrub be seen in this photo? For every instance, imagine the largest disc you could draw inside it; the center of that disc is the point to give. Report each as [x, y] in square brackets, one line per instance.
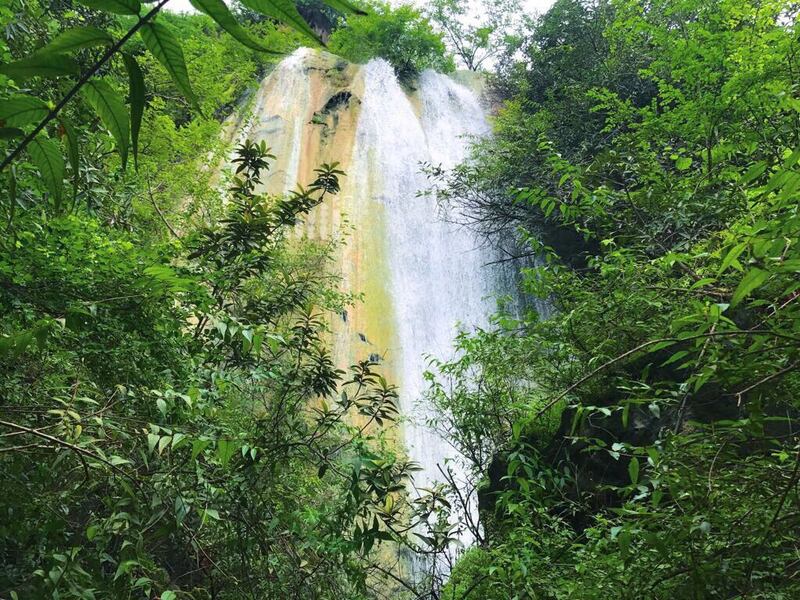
[400, 35]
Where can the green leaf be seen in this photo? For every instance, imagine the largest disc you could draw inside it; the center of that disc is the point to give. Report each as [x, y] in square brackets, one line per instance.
[163, 45]
[163, 443]
[343, 6]
[218, 10]
[683, 163]
[77, 38]
[46, 156]
[198, 446]
[755, 171]
[40, 65]
[633, 470]
[284, 11]
[22, 109]
[152, 440]
[168, 595]
[225, 450]
[118, 7]
[71, 142]
[136, 91]
[213, 513]
[8, 133]
[733, 255]
[12, 194]
[112, 112]
[753, 279]
[675, 357]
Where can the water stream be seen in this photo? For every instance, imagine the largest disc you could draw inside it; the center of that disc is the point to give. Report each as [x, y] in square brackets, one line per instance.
[423, 276]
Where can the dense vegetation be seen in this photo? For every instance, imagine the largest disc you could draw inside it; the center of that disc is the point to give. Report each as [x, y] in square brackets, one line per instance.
[401, 36]
[641, 440]
[172, 425]
[171, 422]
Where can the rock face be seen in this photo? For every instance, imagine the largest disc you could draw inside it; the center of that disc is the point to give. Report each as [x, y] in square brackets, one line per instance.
[419, 274]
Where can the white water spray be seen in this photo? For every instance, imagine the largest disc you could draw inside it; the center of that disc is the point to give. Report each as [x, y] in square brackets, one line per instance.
[431, 272]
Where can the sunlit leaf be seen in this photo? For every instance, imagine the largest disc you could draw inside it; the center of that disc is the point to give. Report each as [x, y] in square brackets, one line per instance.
[753, 279]
[344, 6]
[109, 106]
[284, 11]
[22, 109]
[40, 65]
[78, 38]
[46, 156]
[136, 92]
[162, 44]
[218, 10]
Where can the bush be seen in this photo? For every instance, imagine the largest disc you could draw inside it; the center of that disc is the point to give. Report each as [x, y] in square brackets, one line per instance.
[400, 35]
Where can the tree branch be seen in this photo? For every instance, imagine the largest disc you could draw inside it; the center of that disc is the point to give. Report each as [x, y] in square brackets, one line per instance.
[80, 83]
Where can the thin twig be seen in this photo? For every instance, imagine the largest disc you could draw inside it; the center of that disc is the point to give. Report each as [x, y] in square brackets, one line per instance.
[158, 210]
[641, 347]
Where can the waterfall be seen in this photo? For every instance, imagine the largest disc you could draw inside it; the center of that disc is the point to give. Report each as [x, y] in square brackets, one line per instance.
[435, 268]
[422, 276]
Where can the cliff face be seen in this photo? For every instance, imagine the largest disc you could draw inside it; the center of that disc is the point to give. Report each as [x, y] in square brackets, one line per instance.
[308, 111]
[420, 275]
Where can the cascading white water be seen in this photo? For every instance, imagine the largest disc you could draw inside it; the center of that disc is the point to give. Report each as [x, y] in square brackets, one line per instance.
[438, 278]
[423, 276]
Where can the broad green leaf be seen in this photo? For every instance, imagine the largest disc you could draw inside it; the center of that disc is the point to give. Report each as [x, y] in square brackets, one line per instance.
[683, 163]
[163, 443]
[732, 255]
[40, 65]
[77, 38]
[198, 446]
[753, 279]
[790, 185]
[118, 7]
[46, 156]
[71, 143]
[152, 440]
[163, 45]
[754, 172]
[344, 6]
[792, 159]
[22, 109]
[211, 512]
[112, 112]
[8, 133]
[225, 450]
[136, 91]
[218, 10]
[633, 470]
[675, 357]
[284, 11]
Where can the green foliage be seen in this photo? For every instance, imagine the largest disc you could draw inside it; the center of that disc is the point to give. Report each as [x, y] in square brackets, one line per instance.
[478, 41]
[52, 62]
[401, 35]
[176, 392]
[172, 421]
[650, 449]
